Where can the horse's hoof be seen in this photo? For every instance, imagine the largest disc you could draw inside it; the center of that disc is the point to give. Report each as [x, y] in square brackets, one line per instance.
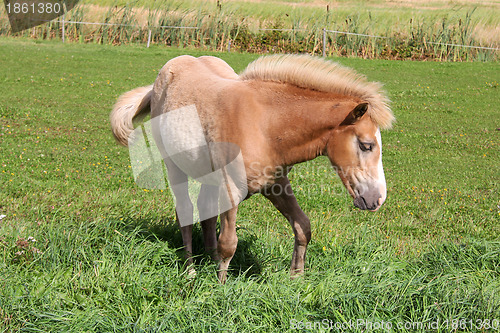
[191, 273]
[296, 274]
[222, 275]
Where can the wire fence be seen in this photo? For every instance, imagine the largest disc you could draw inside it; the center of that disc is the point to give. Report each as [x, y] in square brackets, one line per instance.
[433, 43]
[324, 42]
[220, 35]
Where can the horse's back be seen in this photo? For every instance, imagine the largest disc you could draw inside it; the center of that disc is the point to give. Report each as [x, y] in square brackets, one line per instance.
[189, 68]
[186, 80]
[219, 67]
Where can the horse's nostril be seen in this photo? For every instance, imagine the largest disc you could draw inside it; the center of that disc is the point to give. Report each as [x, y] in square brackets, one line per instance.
[360, 203]
[366, 203]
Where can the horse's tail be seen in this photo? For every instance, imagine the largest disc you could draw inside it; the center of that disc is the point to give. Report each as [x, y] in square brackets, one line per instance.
[129, 106]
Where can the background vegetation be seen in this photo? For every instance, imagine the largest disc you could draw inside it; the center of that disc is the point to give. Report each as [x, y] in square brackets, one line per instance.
[414, 30]
[82, 248]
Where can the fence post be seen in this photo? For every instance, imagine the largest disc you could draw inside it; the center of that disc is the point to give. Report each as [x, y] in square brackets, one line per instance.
[149, 37]
[229, 46]
[324, 42]
[63, 28]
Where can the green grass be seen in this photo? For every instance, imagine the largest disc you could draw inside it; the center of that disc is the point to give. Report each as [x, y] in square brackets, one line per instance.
[106, 252]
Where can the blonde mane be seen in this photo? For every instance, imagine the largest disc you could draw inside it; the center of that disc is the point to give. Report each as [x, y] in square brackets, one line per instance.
[322, 75]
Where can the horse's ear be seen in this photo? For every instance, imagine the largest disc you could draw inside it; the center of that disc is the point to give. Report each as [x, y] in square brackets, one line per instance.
[355, 114]
[360, 110]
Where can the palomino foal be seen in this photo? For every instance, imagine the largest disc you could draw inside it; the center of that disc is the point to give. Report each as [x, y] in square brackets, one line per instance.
[282, 110]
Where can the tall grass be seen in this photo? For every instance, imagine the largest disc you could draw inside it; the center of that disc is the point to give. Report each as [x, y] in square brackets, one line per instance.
[119, 276]
[218, 27]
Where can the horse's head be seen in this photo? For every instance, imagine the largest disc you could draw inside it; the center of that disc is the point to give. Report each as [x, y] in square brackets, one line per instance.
[355, 150]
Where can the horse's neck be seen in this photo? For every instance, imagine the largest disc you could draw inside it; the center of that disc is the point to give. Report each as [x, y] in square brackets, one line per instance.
[299, 121]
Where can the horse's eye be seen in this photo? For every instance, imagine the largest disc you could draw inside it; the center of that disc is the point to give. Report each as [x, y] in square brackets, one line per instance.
[365, 146]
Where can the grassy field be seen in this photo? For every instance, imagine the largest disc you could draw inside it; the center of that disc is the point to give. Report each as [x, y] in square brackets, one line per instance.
[84, 249]
[411, 29]
[389, 14]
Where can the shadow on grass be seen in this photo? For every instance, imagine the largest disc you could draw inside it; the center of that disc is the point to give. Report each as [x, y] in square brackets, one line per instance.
[167, 230]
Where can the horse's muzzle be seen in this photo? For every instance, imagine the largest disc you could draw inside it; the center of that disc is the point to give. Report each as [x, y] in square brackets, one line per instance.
[369, 200]
[363, 204]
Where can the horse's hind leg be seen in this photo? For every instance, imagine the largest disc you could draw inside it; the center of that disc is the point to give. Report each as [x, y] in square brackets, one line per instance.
[208, 205]
[209, 227]
[187, 241]
[282, 197]
[178, 181]
[228, 241]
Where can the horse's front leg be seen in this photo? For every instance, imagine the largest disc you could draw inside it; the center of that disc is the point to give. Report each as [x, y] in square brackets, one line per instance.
[227, 243]
[282, 197]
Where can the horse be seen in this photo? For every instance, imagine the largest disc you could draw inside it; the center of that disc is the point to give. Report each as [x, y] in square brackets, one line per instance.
[280, 111]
